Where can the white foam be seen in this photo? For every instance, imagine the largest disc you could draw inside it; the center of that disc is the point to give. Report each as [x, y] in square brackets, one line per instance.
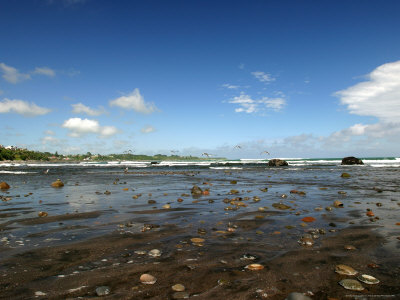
[16, 172]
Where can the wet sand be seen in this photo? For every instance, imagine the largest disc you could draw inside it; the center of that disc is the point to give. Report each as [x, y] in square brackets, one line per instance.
[79, 251]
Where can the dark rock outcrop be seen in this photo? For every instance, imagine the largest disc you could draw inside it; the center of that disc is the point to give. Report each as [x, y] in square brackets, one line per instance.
[277, 163]
[351, 160]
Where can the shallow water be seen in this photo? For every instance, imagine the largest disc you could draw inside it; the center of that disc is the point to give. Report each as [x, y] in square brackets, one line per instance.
[85, 187]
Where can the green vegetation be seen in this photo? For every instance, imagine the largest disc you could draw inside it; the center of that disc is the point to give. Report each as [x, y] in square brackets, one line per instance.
[24, 154]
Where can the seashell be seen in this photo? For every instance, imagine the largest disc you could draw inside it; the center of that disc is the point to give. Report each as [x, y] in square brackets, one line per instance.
[351, 284]
[254, 267]
[154, 253]
[147, 279]
[345, 270]
[368, 279]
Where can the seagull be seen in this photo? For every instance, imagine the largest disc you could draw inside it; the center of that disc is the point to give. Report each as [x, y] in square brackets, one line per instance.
[126, 170]
[46, 172]
[265, 152]
[206, 154]
[238, 147]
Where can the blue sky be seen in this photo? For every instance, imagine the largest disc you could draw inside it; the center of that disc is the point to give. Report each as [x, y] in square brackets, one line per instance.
[295, 78]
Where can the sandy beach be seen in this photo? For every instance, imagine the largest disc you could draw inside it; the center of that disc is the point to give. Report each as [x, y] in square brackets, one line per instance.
[252, 233]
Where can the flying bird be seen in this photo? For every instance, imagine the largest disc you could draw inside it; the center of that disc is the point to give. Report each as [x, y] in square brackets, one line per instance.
[206, 154]
[46, 172]
[238, 147]
[265, 152]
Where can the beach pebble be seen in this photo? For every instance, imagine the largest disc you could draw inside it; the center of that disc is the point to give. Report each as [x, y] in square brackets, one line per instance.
[178, 287]
[254, 267]
[103, 290]
[368, 279]
[345, 270]
[337, 203]
[4, 185]
[155, 253]
[297, 296]
[58, 183]
[147, 279]
[351, 284]
[180, 295]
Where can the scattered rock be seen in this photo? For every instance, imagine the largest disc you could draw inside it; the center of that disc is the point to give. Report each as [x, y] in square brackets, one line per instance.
[4, 185]
[345, 270]
[351, 284]
[280, 206]
[277, 163]
[345, 175]
[178, 287]
[297, 296]
[103, 290]
[57, 184]
[42, 214]
[180, 295]
[147, 279]
[196, 191]
[351, 160]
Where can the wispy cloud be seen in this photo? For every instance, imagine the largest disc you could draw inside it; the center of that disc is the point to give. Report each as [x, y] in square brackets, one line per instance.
[44, 71]
[22, 107]
[148, 129]
[230, 86]
[12, 75]
[263, 77]
[134, 101]
[80, 108]
[79, 127]
[249, 105]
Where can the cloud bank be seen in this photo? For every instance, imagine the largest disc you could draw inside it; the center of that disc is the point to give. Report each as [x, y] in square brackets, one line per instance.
[80, 108]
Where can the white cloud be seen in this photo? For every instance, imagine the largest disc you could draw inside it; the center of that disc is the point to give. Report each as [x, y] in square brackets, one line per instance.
[263, 77]
[22, 107]
[80, 108]
[230, 86]
[249, 105]
[378, 97]
[49, 132]
[12, 75]
[79, 127]
[134, 101]
[44, 71]
[148, 129]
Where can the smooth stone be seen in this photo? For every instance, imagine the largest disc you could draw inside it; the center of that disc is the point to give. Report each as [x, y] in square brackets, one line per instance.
[297, 296]
[103, 290]
[57, 183]
[147, 279]
[351, 284]
[155, 253]
[178, 287]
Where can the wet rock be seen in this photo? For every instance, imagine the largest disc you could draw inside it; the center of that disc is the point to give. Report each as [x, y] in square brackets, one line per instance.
[277, 163]
[345, 175]
[152, 201]
[4, 185]
[351, 284]
[306, 241]
[280, 206]
[166, 206]
[57, 184]
[254, 267]
[337, 203]
[103, 291]
[297, 296]
[42, 214]
[351, 160]
[196, 191]
[148, 279]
